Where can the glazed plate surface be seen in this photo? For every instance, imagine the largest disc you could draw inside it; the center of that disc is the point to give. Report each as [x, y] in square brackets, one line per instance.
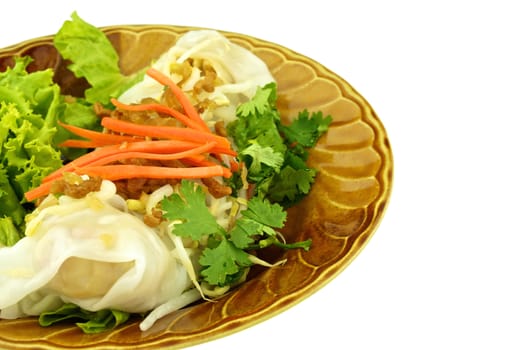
[347, 202]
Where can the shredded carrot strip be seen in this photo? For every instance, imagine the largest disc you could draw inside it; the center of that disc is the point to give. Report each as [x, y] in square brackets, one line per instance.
[235, 166]
[157, 107]
[126, 171]
[39, 191]
[154, 156]
[168, 132]
[81, 144]
[195, 161]
[98, 137]
[180, 95]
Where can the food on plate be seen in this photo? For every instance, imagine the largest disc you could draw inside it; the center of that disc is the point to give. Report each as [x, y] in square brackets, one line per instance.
[149, 192]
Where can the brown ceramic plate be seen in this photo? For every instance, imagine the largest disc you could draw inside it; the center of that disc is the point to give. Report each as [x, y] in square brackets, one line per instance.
[344, 208]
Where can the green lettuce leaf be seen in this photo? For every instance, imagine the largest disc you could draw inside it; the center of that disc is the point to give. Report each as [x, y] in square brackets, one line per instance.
[28, 155]
[89, 321]
[77, 113]
[29, 108]
[93, 58]
[9, 234]
[11, 206]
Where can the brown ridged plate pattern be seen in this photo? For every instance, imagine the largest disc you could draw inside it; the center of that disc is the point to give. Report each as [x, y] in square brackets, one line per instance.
[345, 207]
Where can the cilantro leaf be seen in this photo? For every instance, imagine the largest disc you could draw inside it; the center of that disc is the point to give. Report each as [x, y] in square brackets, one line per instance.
[256, 122]
[191, 209]
[291, 185]
[263, 100]
[264, 212]
[244, 231]
[306, 129]
[259, 219]
[260, 156]
[273, 240]
[223, 261]
[256, 128]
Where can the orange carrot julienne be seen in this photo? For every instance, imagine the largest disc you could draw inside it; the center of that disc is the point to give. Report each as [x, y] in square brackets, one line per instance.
[195, 161]
[157, 107]
[180, 95]
[97, 137]
[203, 162]
[127, 171]
[39, 191]
[154, 156]
[161, 146]
[168, 132]
[81, 144]
[235, 166]
[95, 144]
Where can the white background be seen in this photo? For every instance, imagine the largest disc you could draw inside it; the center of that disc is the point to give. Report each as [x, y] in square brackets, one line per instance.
[446, 268]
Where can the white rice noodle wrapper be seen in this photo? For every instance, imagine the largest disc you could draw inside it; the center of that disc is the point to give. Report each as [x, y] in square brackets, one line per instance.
[240, 70]
[88, 252]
